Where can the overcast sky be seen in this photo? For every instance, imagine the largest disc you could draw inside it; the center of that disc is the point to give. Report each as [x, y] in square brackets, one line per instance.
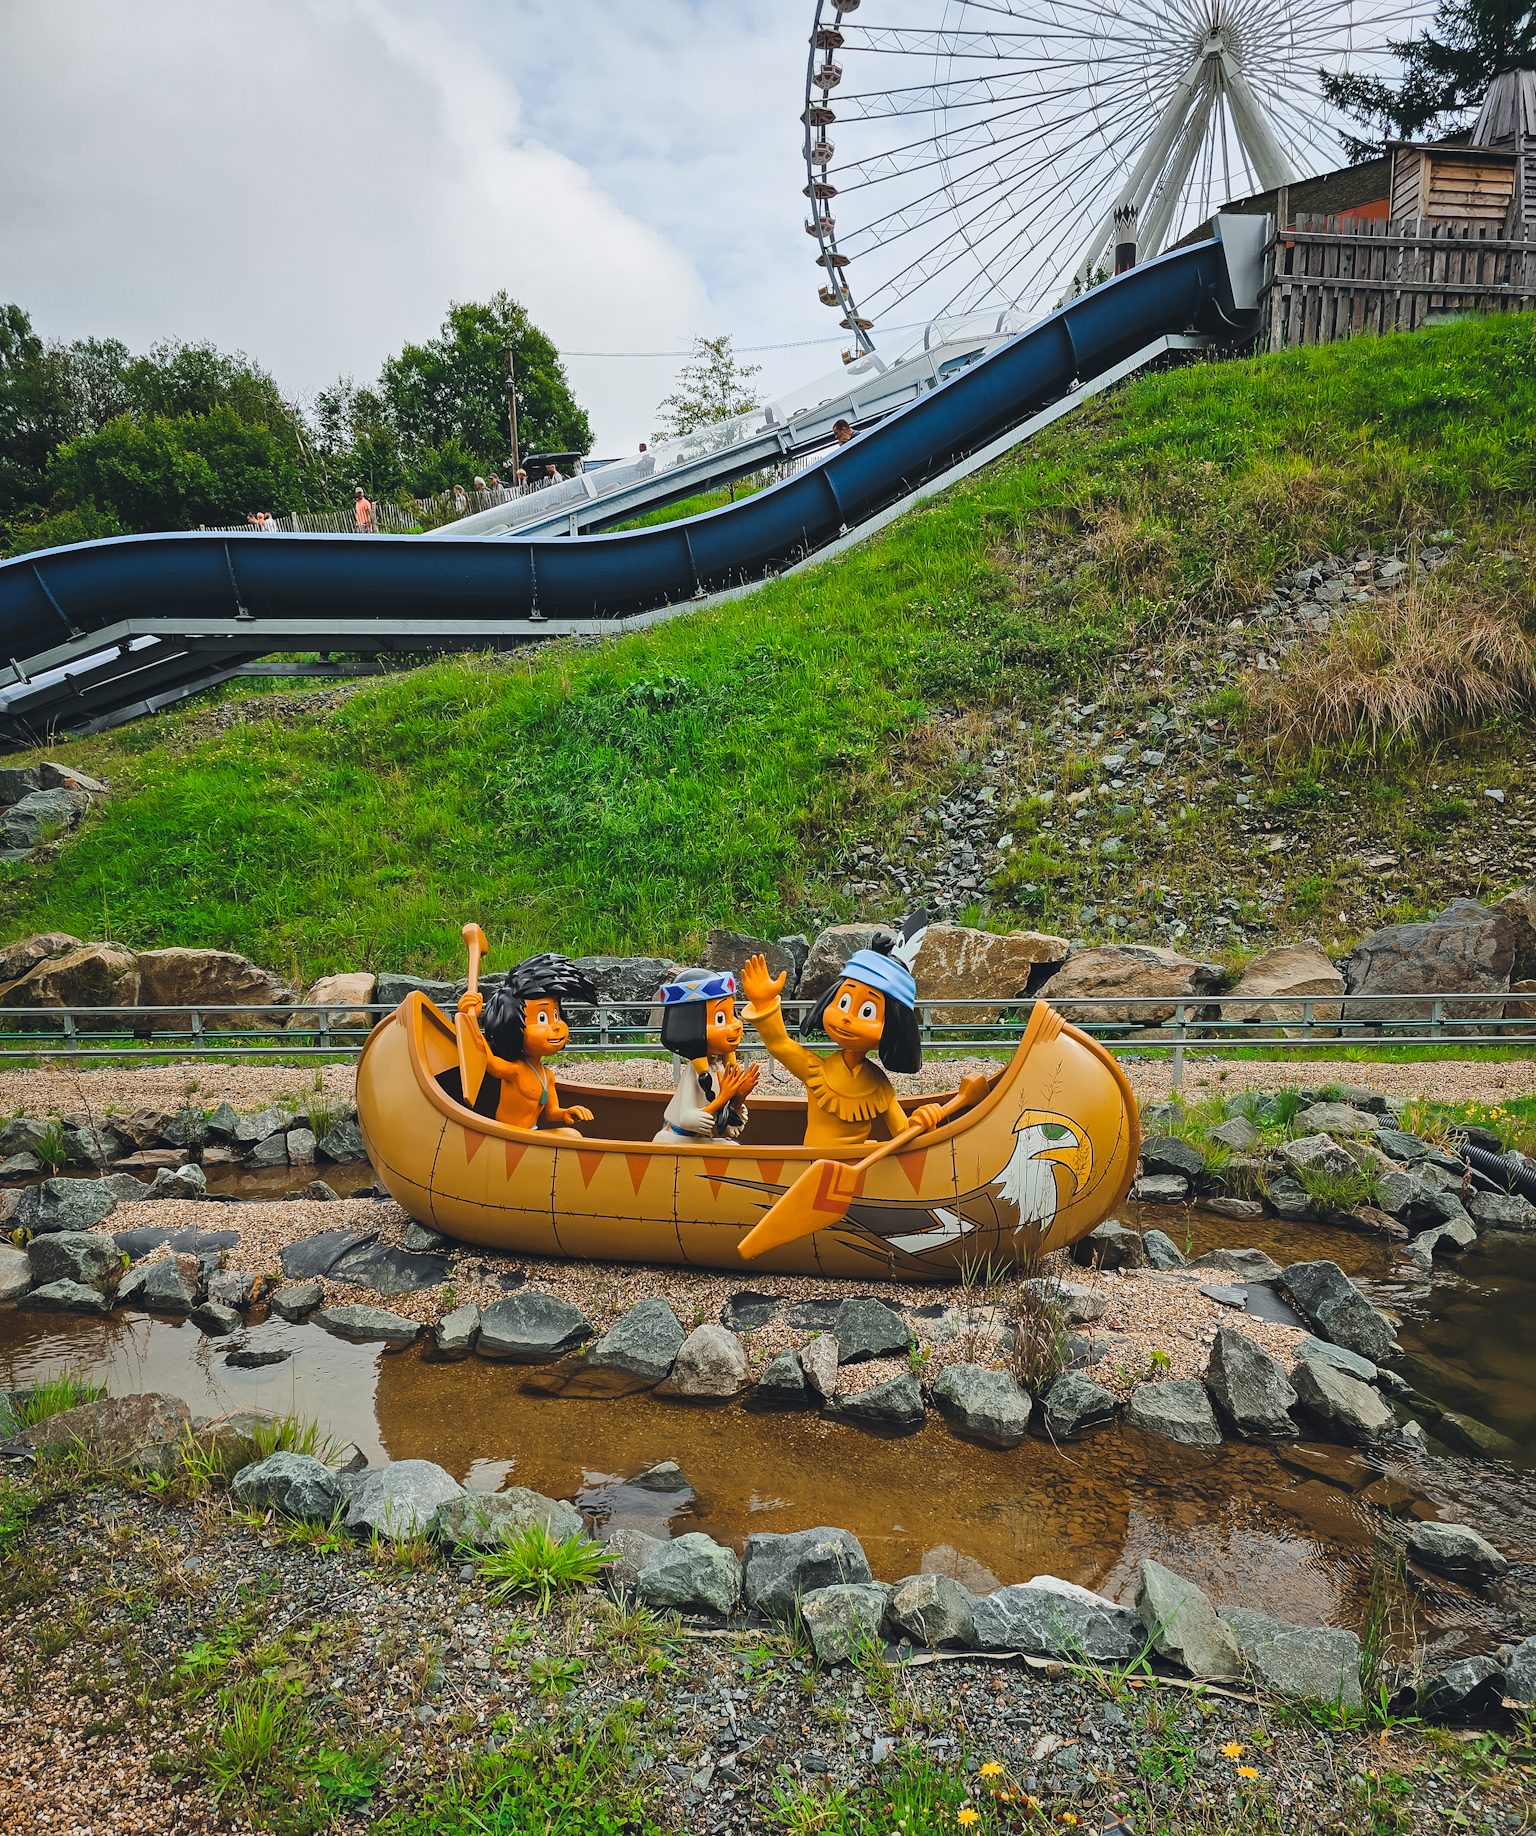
[313, 181]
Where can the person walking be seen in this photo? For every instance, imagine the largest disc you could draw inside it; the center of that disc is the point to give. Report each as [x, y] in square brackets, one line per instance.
[362, 513]
[460, 500]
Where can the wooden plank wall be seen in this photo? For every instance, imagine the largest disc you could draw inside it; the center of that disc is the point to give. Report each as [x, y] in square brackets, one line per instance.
[1327, 278]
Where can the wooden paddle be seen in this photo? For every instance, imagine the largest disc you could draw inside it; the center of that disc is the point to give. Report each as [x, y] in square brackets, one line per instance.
[825, 1190]
[471, 1065]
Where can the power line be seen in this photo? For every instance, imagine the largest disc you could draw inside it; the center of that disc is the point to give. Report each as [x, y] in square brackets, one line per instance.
[745, 350]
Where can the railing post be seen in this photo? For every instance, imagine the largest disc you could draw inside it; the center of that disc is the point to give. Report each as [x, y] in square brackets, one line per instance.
[1181, 1022]
[1435, 1016]
[70, 1036]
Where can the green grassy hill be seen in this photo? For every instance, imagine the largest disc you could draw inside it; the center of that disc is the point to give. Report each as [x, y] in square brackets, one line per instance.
[796, 755]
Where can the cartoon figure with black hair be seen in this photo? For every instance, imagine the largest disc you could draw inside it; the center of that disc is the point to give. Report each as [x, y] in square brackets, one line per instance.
[525, 1024]
[872, 1008]
[699, 1025]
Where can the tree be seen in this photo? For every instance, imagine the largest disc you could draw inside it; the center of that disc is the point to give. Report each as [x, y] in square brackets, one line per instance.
[1445, 73]
[711, 386]
[30, 425]
[449, 396]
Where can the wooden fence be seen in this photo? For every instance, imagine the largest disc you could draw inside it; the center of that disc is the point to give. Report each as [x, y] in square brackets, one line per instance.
[1332, 277]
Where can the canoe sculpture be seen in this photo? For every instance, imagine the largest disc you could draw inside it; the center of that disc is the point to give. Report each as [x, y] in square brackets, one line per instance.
[1046, 1153]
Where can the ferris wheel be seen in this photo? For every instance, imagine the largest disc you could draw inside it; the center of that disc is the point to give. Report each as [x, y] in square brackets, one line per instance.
[970, 156]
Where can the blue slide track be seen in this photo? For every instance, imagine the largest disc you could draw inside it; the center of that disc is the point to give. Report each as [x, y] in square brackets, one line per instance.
[137, 620]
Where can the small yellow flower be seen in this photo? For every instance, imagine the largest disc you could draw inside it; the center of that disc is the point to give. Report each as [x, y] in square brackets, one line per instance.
[1070, 1819]
[991, 1770]
[1233, 1749]
[1247, 1772]
[965, 1816]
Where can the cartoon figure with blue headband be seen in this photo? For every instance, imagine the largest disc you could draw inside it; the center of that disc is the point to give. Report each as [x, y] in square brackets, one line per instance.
[872, 1008]
[699, 1024]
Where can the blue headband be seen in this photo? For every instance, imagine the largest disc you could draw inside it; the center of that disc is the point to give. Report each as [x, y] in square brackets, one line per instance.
[888, 974]
[710, 986]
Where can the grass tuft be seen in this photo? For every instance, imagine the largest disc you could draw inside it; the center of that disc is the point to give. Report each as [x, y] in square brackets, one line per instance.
[531, 1564]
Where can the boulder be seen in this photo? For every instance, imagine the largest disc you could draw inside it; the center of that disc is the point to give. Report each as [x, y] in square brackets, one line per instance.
[66, 1297]
[1292, 969]
[1341, 1402]
[171, 1285]
[1466, 949]
[1168, 1154]
[730, 949]
[1246, 1264]
[1250, 1388]
[629, 982]
[711, 1362]
[1287, 1197]
[867, 1328]
[1336, 1119]
[342, 1143]
[1469, 1689]
[323, 1194]
[957, 963]
[1176, 1407]
[455, 1333]
[1501, 1211]
[188, 1182]
[145, 1431]
[390, 1271]
[830, 952]
[216, 1319]
[301, 1145]
[1057, 1619]
[369, 1325]
[294, 1485]
[691, 1574]
[482, 1520]
[843, 1620]
[91, 975]
[263, 1125]
[1236, 1133]
[641, 1343]
[62, 1203]
[1316, 1154]
[779, 1570]
[983, 1405]
[53, 776]
[1110, 1246]
[531, 1327]
[818, 1360]
[1161, 1250]
[20, 958]
[1456, 1550]
[296, 1300]
[349, 994]
[1160, 1189]
[1085, 986]
[1519, 909]
[896, 1404]
[1338, 1310]
[1351, 1363]
[399, 1500]
[15, 1272]
[1074, 1404]
[1183, 1625]
[1303, 1663]
[211, 978]
[932, 1610]
[1520, 1673]
[37, 818]
[390, 990]
[88, 1257]
[1078, 1302]
[633, 1548]
[231, 1287]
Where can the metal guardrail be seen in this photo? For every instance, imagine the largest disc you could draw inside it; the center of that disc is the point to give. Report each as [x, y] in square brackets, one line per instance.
[1130, 1026]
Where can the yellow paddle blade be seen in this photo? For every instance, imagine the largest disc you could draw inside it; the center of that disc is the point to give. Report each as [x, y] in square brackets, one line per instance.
[820, 1196]
[471, 1062]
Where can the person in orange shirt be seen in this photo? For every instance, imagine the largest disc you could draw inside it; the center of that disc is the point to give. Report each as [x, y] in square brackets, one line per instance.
[362, 513]
[524, 1025]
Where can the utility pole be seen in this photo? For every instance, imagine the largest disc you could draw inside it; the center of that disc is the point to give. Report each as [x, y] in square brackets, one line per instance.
[512, 406]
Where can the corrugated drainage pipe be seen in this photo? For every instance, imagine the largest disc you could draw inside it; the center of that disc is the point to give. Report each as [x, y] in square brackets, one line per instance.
[1509, 1172]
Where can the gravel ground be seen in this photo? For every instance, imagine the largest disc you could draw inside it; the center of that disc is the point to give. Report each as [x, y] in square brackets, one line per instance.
[163, 1618]
[60, 1090]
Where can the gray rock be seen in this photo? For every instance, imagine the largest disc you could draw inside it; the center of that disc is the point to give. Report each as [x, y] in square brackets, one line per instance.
[531, 1327]
[1401, 1146]
[1168, 1154]
[843, 1620]
[827, 955]
[1468, 1689]
[160, 1287]
[867, 1328]
[399, 1500]
[1249, 1386]
[296, 1300]
[1161, 1250]
[66, 1297]
[1183, 1625]
[187, 1128]
[483, 1520]
[1237, 1133]
[15, 1272]
[294, 1485]
[420, 1237]
[1248, 1264]
[273, 1152]
[1303, 1663]
[39, 816]
[319, 1254]
[1160, 1189]
[783, 1381]
[711, 1362]
[128, 1190]
[455, 1333]
[818, 1359]
[633, 1547]
[1520, 1673]
[1456, 1550]
[1074, 1404]
[629, 982]
[301, 1147]
[1341, 1402]
[1176, 1407]
[779, 1570]
[64, 1204]
[222, 1122]
[257, 1357]
[369, 1325]
[1057, 1619]
[1467, 949]
[1335, 1119]
[641, 1343]
[932, 1610]
[1351, 1363]
[1111, 1246]
[217, 1320]
[88, 1257]
[188, 1182]
[897, 1403]
[730, 950]
[342, 1143]
[1338, 1310]
[1502, 1211]
[390, 990]
[260, 1125]
[20, 1166]
[388, 1270]
[983, 1405]
[691, 1574]
[1316, 1154]
[1077, 1302]
[1287, 1197]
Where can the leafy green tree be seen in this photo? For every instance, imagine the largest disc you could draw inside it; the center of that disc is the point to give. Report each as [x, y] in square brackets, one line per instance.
[30, 425]
[88, 379]
[449, 396]
[58, 530]
[711, 386]
[1446, 72]
[356, 442]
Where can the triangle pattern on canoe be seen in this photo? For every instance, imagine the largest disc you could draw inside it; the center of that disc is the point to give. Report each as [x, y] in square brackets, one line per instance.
[769, 1170]
[639, 1165]
[589, 1160]
[715, 1171]
[912, 1164]
[515, 1153]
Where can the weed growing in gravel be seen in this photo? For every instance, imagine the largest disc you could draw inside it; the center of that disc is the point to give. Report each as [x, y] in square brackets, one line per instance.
[635, 1637]
[555, 1674]
[1040, 1348]
[915, 1795]
[266, 1756]
[1328, 1191]
[531, 1562]
[291, 1434]
[402, 1552]
[53, 1395]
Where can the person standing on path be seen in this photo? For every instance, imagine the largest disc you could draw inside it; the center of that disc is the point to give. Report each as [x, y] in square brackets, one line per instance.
[362, 513]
